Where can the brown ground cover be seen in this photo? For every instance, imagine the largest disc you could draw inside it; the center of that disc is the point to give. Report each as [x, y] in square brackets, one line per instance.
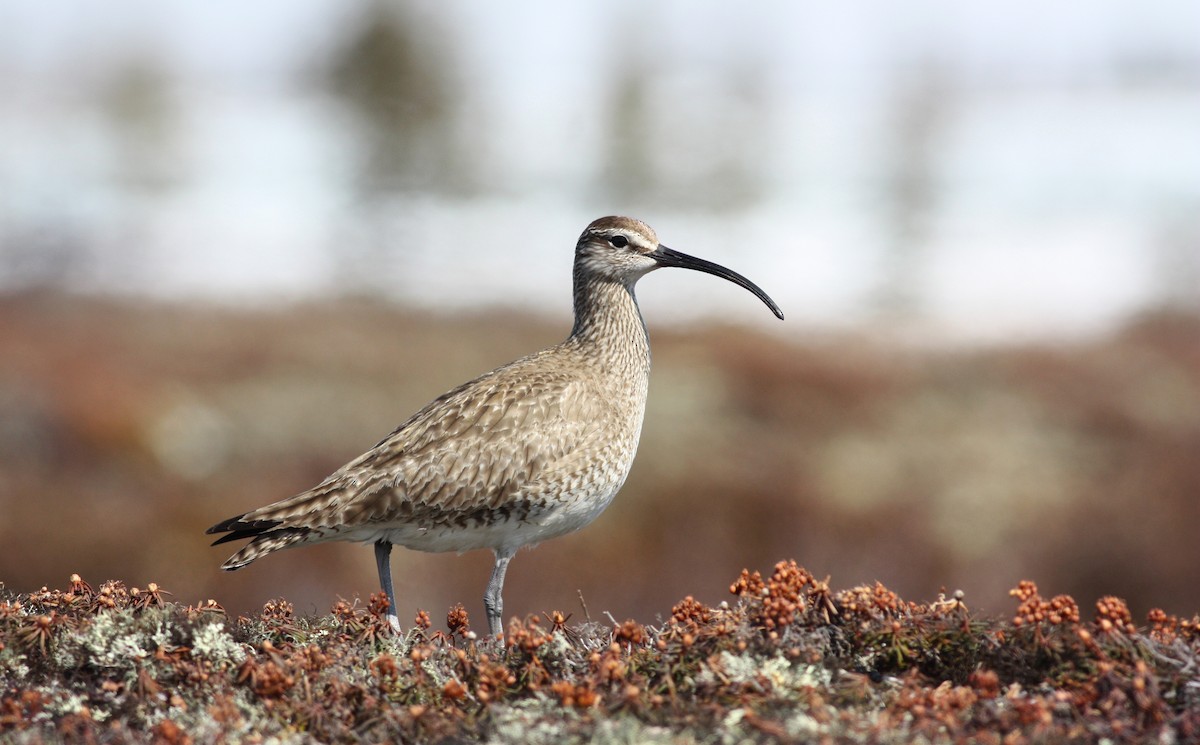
[786, 659]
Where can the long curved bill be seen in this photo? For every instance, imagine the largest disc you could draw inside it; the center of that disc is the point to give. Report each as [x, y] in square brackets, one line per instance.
[670, 257]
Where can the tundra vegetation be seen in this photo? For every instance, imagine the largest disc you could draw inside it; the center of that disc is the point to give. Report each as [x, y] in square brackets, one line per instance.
[786, 658]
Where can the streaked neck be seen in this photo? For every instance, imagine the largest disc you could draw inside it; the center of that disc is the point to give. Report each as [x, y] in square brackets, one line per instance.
[608, 320]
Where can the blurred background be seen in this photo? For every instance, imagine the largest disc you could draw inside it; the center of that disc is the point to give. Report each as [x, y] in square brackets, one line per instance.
[238, 245]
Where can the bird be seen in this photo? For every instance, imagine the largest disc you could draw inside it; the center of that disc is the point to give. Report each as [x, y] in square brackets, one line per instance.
[530, 451]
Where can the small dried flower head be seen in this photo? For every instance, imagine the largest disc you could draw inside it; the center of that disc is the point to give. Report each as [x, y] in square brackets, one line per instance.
[558, 621]
[454, 690]
[783, 597]
[526, 635]
[1035, 610]
[457, 621]
[869, 602]
[1112, 615]
[378, 604]
[691, 612]
[384, 667]
[343, 610]
[574, 695]
[630, 632]
[79, 587]
[1024, 590]
[39, 630]
[278, 609]
[748, 584]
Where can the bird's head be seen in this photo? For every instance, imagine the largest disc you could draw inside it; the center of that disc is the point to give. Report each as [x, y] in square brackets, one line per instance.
[622, 249]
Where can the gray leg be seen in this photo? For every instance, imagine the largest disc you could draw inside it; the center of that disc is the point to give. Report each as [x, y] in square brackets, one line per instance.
[383, 561]
[493, 603]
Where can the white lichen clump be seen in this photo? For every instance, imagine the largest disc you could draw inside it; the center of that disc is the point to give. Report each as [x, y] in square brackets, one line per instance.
[107, 642]
[214, 643]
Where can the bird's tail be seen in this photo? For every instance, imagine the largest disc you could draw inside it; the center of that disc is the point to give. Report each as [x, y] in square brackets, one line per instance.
[289, 522]
[264, 540]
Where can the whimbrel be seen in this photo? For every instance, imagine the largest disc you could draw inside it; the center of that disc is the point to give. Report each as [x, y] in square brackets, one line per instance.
[530, 451]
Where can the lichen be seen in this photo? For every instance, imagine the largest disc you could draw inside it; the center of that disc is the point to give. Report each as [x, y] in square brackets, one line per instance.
[533, 721]
[213, 642]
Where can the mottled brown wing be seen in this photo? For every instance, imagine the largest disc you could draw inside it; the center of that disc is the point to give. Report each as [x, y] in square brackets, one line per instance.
[469, 450]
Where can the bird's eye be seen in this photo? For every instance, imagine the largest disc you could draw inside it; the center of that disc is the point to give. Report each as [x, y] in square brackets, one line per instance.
[619, 241]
